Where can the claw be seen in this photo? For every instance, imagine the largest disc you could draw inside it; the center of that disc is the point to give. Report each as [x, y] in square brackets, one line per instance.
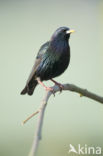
[61, 87]
[46, 88]
[50, 89]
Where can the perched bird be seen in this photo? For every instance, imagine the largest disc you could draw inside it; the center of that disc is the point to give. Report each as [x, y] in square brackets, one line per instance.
[52, 60]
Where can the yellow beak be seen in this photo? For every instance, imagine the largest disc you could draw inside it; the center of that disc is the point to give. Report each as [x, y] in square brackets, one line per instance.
[70, 31]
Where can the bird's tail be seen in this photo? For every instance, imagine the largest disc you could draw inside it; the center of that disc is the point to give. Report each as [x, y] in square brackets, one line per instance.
[29, 88]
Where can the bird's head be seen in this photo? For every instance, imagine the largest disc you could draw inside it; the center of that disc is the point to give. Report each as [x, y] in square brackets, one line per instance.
[62, 33]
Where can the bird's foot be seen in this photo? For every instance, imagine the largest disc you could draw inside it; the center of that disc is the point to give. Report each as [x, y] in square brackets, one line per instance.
[45, 87]
[61, 87]
[50, 89]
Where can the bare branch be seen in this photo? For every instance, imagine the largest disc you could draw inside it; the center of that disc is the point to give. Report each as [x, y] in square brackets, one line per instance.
[70, 87]
[83, 92]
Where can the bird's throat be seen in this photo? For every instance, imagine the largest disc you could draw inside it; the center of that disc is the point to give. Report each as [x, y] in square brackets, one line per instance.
[59, 46]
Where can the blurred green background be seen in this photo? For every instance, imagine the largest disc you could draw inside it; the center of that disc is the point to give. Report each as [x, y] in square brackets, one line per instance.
[69, 119]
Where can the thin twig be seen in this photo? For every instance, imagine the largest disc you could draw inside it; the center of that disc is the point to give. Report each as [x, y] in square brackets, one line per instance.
[70, 87]
[28, 118]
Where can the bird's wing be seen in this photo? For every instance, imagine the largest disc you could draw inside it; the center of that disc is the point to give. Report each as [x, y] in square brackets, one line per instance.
[42, 50]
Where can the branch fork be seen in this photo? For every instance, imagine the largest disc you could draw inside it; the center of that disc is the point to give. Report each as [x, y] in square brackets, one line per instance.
[41, 110]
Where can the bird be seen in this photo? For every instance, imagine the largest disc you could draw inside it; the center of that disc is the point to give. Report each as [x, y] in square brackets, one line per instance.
[51, 61]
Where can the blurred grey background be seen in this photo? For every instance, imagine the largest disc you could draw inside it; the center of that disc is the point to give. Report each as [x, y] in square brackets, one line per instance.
[24, 27]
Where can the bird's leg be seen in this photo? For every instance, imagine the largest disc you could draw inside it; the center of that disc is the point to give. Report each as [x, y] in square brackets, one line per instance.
[46, 88]
[58, 84]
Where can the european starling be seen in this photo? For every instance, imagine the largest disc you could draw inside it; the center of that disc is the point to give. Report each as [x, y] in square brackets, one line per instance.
[52, 60]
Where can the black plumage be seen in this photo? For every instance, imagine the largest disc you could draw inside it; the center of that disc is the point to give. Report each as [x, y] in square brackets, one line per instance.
[52, 59]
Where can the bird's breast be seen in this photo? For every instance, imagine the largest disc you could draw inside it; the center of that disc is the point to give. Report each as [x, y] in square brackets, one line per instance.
[62, 63]
[54, 62]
